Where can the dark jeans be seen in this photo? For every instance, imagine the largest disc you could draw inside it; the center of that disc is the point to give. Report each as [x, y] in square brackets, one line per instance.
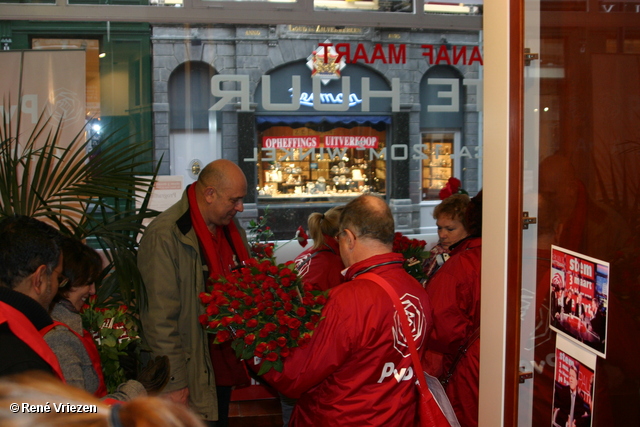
[224, 400]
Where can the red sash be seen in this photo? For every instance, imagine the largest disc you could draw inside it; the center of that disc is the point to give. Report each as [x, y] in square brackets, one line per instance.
[22, 328]
[92, 352]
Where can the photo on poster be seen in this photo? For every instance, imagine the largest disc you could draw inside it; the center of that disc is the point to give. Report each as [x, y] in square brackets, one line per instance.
[574, 385]
[579, 295]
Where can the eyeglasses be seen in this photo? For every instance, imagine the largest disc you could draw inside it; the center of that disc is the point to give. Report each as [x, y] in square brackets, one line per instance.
[62, 281]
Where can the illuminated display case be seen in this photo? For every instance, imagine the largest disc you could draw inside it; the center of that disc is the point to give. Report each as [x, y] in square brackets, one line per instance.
[323, 165]
[438, 167]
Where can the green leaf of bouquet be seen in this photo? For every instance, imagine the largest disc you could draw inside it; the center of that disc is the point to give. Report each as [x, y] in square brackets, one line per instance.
[109, 341]
[237, 346]
[265, 367]
[247, 353]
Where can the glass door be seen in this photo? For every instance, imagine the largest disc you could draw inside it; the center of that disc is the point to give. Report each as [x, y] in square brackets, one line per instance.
[580, 317]
[529, 324]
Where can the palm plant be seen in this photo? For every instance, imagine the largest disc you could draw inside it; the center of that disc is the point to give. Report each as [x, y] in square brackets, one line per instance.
[86, 191]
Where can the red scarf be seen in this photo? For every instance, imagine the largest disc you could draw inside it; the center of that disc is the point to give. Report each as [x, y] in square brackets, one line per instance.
[227, 368]
[207, 242]
[92, 351]
[24, 330]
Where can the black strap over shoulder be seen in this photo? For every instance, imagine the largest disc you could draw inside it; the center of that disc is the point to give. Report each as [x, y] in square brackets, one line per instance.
[462, 351]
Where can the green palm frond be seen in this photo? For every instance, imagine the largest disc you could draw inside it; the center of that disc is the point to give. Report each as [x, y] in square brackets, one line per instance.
[86, 191]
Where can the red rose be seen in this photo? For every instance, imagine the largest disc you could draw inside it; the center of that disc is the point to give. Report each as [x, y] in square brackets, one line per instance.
[301, 236]
[203, 319]
[294, 323]
[272, 356]
[249, 339]
[310, 326]
[205, 298]
[252, 323]
[261, 347]
[214, 324]
[223, 336]
[451, 187]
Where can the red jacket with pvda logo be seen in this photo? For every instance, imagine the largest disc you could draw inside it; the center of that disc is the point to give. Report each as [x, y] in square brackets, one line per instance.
[321, 268]
[353, 372]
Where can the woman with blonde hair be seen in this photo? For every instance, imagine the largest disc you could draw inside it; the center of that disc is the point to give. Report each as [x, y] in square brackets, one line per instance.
[321, 265]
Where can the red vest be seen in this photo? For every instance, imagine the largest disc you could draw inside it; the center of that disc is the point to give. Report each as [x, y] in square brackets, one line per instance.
[22, 328]
[92, 352]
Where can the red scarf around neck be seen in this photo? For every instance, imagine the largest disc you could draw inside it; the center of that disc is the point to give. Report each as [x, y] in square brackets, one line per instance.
[227, 368]
[205, 238]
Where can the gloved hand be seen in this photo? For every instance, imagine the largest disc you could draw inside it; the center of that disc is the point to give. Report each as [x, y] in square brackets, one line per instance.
[155, 376]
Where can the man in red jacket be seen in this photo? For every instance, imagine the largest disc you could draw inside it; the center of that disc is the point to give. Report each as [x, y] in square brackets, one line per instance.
[30, 273]
[355, 371]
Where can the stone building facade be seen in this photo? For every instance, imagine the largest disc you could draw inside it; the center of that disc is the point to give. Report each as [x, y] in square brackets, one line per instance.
[256, 51]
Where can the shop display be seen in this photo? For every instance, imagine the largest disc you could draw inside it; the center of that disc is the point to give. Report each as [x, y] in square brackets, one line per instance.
[437, 168]
[322, 168]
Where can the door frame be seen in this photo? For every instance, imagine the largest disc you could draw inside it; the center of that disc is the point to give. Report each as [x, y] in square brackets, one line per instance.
[502, 211]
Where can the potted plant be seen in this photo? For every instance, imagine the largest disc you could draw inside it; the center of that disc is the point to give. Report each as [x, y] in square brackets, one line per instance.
[87, 191]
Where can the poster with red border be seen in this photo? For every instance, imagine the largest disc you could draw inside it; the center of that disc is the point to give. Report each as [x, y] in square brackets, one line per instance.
[579, 295]
[574, 385]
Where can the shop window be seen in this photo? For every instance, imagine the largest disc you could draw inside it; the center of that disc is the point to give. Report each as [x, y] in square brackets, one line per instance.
[321, 161]
[439, 164]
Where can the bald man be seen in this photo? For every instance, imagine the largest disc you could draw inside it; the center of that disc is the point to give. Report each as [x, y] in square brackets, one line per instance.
[356, 369]
[196, 239]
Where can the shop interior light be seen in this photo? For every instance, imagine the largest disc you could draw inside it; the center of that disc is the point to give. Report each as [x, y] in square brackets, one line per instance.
[102, 54]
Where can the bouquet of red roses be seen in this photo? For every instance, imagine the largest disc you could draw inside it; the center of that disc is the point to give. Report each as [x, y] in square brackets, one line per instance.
[414, 254]
[264, 309]
[114, 330]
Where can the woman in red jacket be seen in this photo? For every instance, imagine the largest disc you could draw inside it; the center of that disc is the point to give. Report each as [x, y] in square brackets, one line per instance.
[321, 265]
[455, 296]
[449, 216]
